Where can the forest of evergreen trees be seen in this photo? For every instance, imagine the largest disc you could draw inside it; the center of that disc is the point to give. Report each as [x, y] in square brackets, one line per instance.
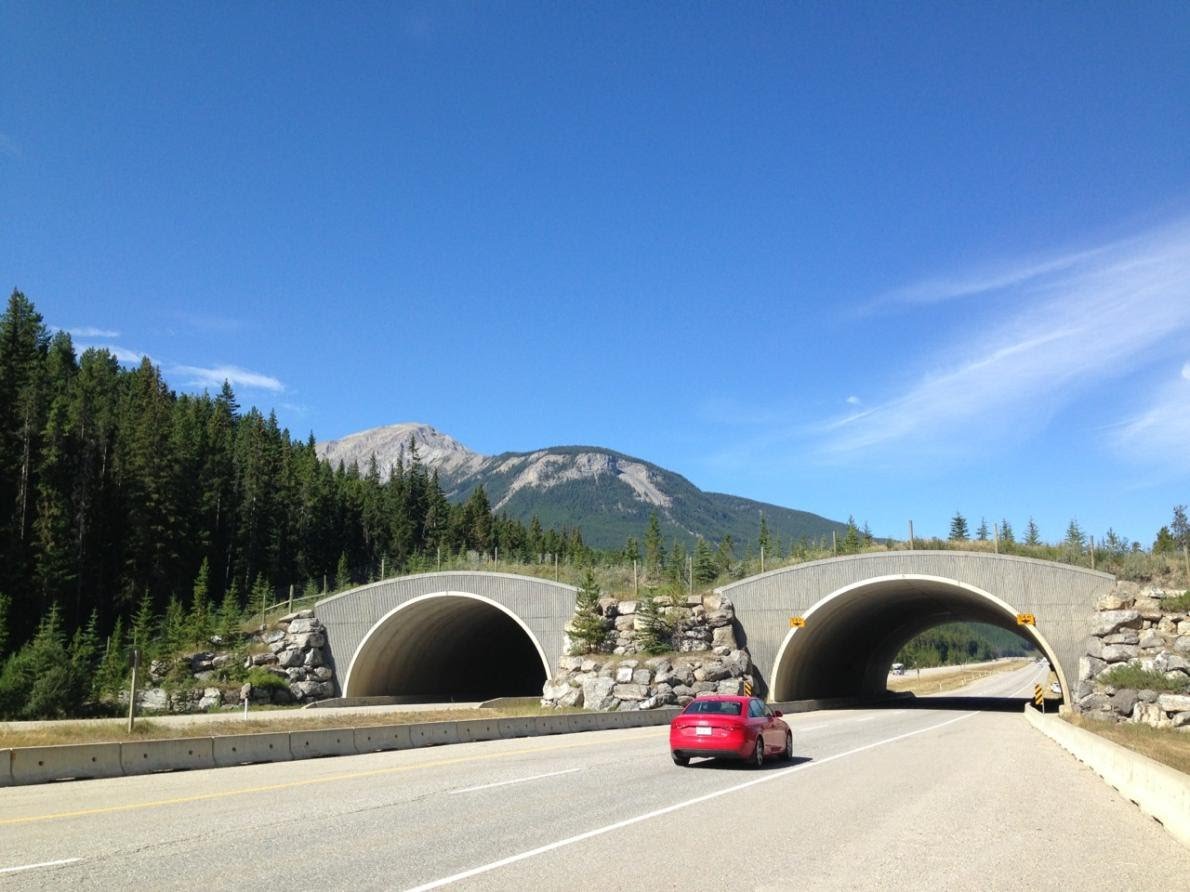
[115, 491]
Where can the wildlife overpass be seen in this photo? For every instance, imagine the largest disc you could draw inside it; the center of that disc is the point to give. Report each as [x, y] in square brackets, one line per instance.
[828, 628]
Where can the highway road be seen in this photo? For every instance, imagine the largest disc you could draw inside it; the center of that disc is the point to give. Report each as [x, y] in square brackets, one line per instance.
[897, 798]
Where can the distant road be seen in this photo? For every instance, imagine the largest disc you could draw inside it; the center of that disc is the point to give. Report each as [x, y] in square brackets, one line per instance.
[886, 799]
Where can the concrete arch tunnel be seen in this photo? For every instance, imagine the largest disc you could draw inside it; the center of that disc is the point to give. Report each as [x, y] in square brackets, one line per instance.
[447, 636]
[860, 610]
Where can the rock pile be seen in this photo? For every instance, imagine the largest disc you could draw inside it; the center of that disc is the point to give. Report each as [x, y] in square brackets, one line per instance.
[610, 684]
[1135, 627]
[294, 655]
[706, 658]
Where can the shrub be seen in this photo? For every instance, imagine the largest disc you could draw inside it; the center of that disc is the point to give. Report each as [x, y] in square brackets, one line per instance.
[1130, 675]
[264, 680]
[1180, 604]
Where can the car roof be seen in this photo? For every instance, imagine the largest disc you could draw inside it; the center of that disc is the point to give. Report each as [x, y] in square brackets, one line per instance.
[724, 697]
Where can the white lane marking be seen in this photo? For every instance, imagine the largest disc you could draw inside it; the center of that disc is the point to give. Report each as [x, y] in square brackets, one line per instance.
[35, 866]
[628, 822]
[518, 780]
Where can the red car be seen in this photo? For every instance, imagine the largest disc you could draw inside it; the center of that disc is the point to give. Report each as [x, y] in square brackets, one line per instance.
[729, 728]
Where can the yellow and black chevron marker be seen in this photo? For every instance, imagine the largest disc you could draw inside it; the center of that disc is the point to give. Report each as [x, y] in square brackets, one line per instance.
[1038, 695]
[747, 687]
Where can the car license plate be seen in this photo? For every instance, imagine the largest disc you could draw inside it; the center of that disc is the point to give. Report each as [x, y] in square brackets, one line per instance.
[703, 730]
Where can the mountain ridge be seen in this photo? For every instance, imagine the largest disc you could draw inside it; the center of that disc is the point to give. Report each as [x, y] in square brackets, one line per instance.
[606, 493]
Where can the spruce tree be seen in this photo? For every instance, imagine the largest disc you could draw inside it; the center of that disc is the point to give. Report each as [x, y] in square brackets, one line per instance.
[983, 533]
[652, 632]
[725, 557]
[654, 549]
[1076, 539]
[1006, 534]
[1032, 536]
[764, 540]
[705, 568]
[850, 543]
[200, 608]
[958, 528]
[588, 630]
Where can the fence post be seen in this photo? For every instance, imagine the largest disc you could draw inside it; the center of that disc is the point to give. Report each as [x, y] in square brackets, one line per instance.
[911, 535]
[289, 609]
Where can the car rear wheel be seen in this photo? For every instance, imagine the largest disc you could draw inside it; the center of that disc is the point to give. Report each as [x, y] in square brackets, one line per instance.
[788, 754]
[681, 761]
[758, 753]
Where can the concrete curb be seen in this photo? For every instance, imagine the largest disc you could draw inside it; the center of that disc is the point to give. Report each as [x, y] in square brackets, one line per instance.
[382, 738]
[183, 753]
[1159, 791]
[40, 764]
[5, 768]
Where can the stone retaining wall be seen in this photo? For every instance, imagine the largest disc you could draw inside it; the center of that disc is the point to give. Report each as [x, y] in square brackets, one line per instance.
[1134, 626]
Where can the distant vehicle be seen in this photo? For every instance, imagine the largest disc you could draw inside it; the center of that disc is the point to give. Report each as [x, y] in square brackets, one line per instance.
[898, 668]
[729, 728]
[1055, 688]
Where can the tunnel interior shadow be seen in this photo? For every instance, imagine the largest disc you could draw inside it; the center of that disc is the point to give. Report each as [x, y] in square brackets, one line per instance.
[958, 704]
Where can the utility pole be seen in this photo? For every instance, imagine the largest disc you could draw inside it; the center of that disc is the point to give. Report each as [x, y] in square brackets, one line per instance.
[762, 559]
[911, 535]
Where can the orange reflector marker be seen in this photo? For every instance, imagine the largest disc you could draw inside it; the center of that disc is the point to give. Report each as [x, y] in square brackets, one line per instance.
[796, 622]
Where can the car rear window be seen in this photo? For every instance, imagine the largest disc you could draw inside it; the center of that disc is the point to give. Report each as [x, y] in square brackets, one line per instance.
[714, 707]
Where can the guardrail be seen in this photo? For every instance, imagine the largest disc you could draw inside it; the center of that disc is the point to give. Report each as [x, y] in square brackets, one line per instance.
[1161, 792]
[42, 764]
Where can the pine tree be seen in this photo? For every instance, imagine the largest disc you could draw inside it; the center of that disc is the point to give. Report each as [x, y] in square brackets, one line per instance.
[1032, 536]
[1006, 534]
[1179, 527]
[5, 605]
[652, 632]
[200, 608]
[109, 677]
[654, 549]
[958, 528]
[725, 557]
[342, 573]
[631, 550]
[230, 615]
[1076, 539]
[764, 540]
[144, 627]
[983, 533]
[175, 633]
[705, 569]
[850, 543]
[587, 629]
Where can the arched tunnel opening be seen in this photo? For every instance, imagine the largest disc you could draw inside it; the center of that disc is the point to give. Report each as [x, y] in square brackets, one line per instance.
[850, 640]
[447, 648]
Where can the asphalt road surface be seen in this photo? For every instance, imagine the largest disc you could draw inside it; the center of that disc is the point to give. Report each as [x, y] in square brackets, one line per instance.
[947, 797]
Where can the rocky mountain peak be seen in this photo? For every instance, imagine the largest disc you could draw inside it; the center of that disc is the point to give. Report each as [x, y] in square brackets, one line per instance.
[435, 449]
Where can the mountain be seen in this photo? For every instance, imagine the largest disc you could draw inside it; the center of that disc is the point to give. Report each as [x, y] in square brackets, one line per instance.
[607, 494]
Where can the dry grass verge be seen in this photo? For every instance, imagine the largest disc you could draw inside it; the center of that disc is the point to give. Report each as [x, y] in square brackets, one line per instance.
[950, 681]
[147, 729]
[1164, 745]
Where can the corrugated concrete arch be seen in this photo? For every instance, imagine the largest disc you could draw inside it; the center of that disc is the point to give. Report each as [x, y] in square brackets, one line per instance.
[860, 610]
[414, 634]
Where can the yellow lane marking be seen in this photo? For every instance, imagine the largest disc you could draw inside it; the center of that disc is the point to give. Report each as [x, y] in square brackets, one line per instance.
[353, 775]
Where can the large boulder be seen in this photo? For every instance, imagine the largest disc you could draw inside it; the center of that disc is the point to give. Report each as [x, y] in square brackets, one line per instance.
[1174, 702]
[1123, 701]
[153, 699]
[1148, 608]
[555, 689]
[631, 691]
[1109, 621]
[723, 636]
[1119, 653]
[287, 659]
[303, 625]
[597, 693]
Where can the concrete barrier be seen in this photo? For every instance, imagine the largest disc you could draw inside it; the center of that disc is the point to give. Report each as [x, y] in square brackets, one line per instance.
[38, 764]
[147, 756]
[551, 724]
[478, 729]
[327, 742]
[582, 721]
[5, 768]
[245, 749]
[1157, 790]
[382, 738]
[433, 733]
[516, 727]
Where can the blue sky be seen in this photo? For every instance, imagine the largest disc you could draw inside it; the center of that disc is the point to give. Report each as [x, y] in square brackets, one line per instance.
[889, 260]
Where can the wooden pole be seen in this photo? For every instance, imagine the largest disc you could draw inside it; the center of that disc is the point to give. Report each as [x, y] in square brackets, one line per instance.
[996, 538]
[834, 543]
[635, 584]
[132, 690]
[289, 609]
[762, 559]
[911, 535]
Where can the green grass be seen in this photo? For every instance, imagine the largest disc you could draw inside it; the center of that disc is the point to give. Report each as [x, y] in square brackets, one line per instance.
[1127, 675]
[1180, 604]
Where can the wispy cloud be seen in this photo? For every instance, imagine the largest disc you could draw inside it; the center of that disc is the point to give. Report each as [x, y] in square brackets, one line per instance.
[87, 331]
[1159, 434]
[215, 376]
[853, 400]
[1084, 319]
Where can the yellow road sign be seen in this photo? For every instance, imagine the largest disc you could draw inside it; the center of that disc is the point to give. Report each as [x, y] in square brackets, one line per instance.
[747, 688]
[1038, 694]
[796, 622]
[1026, 619]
